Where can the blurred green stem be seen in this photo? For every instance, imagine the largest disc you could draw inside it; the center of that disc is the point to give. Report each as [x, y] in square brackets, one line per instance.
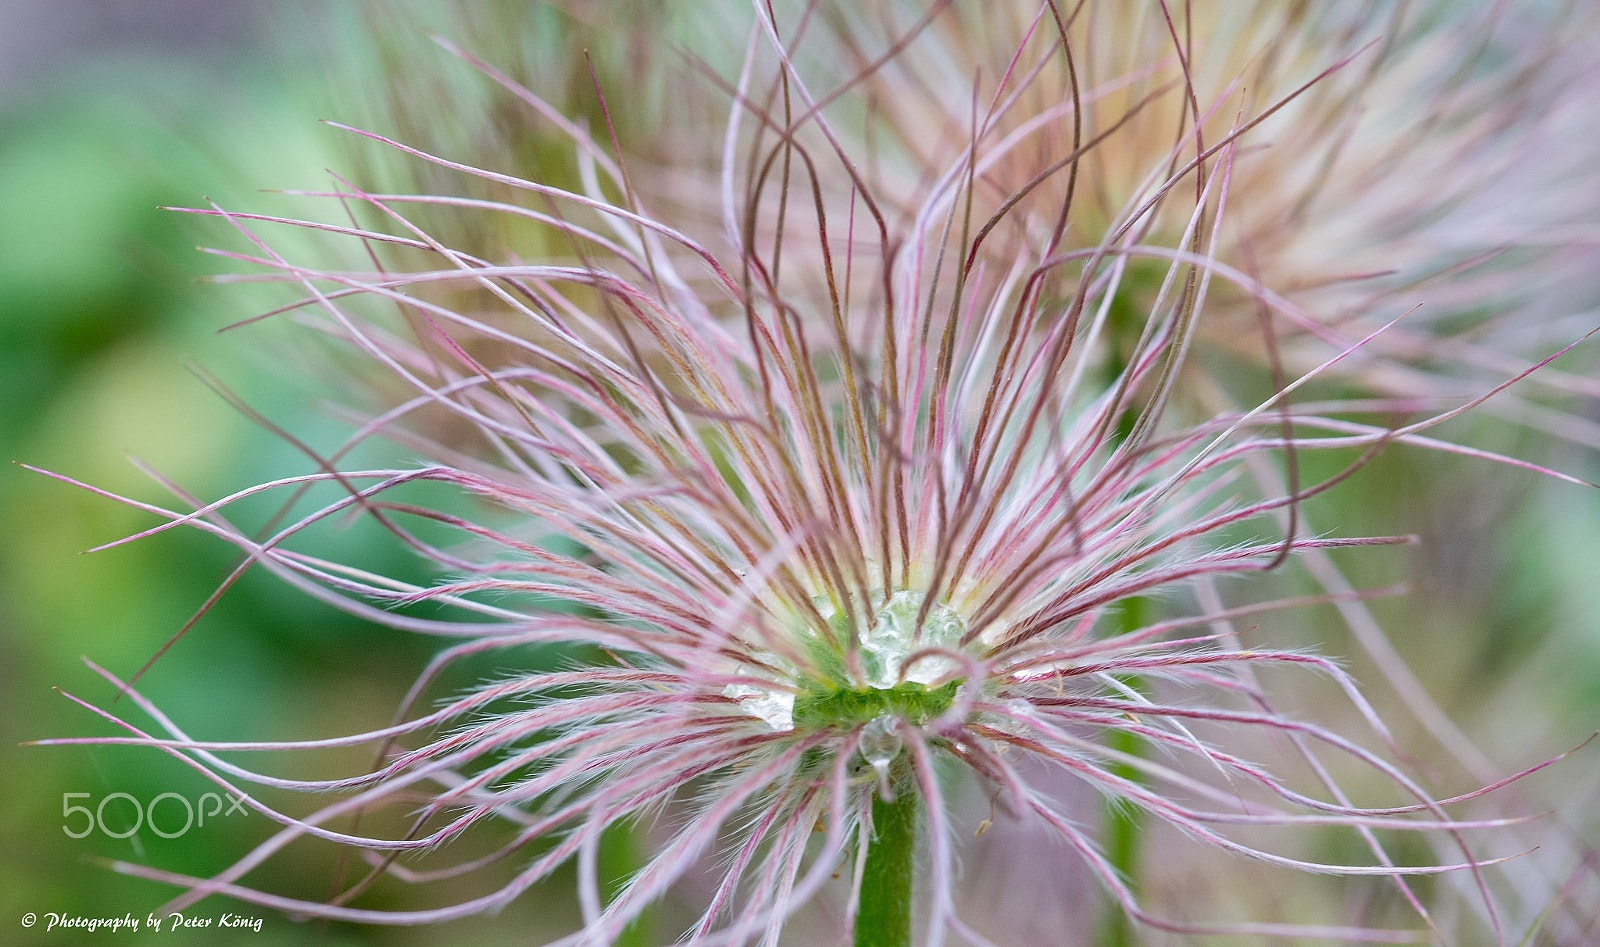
[1121, 824]
[621, 857]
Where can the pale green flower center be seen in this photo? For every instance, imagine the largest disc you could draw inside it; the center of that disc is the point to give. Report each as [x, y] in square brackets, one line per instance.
[898, 675]
[893, 638]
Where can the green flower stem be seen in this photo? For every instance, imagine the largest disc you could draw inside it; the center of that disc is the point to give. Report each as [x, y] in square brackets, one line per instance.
[1124, 823]
[884, 918]
[621, 857]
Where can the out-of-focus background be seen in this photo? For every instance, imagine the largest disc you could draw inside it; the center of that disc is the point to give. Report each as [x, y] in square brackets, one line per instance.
[109, 111]
[111, 108]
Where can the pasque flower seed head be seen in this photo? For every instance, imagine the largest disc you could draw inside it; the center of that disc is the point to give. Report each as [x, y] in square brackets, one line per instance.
[846, 496]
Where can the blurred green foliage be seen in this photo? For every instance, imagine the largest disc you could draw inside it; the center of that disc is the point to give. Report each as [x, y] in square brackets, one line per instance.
[100, 315]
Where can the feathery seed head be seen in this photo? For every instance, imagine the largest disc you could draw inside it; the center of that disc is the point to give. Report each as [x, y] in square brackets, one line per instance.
[870, 472]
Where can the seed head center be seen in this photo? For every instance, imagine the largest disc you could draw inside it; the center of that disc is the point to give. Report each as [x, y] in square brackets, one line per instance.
[899, 657]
